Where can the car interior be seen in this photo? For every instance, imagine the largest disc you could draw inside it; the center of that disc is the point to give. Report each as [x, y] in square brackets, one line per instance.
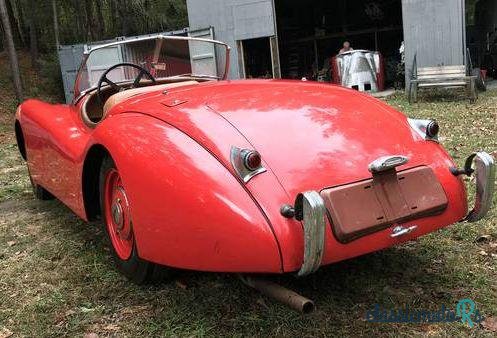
[94, 110]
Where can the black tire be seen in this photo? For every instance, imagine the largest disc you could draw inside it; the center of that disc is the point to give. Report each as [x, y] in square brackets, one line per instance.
[134, 268]
[479, 82]
[39, 192]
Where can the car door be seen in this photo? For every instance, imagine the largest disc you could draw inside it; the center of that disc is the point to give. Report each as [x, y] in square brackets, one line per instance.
[66, 139]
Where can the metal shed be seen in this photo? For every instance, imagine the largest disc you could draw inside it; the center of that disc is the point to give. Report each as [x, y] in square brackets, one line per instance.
[433, 30]
[482, 35]
[71, 56]
[235, 21]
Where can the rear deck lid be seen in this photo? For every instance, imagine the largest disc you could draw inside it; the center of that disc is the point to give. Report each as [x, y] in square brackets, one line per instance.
[315, 136]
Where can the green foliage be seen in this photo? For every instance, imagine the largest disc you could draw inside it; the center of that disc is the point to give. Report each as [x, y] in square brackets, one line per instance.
[51, 76]
[94, 20]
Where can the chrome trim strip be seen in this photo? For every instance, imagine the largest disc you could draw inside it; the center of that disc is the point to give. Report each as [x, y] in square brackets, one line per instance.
[310, 206]
[237, 161]
[79, 94]
[399, 231]
[485, 185]
[153, 37]
[386, 163]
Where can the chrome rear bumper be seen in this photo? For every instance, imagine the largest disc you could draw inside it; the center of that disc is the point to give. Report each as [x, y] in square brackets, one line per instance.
[310, 209]
[484, 170]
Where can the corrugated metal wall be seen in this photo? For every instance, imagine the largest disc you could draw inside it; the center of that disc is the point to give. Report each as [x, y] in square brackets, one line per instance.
[434, 31]
[233, 20]
[70, 57]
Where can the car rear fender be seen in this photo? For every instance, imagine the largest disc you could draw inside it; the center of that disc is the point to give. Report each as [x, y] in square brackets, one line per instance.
[188, 210]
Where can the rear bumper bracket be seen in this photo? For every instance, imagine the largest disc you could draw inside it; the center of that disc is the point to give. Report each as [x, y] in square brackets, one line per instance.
[484, 171]
[310, 209]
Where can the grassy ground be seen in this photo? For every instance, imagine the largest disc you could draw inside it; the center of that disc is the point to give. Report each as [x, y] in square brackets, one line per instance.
[57, 277]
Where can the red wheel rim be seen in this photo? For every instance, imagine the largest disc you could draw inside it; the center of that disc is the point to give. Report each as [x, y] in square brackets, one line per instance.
[117, 215]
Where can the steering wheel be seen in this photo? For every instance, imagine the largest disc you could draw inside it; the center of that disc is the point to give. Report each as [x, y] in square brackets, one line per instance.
[103, 79]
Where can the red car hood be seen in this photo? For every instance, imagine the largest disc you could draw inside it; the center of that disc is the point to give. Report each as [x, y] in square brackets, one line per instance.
[310, 135]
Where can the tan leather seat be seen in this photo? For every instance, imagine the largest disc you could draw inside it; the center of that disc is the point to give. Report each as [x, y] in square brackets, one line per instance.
[124, 95]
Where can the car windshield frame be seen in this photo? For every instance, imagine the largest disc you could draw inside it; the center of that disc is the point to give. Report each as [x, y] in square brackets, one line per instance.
[78, 94]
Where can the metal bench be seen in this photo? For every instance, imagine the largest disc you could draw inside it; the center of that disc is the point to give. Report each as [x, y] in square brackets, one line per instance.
[441, 76]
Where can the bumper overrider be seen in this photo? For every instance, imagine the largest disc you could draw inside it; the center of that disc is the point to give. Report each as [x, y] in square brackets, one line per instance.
[484, 171]
[310, 208]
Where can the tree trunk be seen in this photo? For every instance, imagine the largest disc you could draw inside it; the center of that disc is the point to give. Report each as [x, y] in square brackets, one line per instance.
[13, 10]
[124, 16]
[9, 45]
[100, 21]
[89, 20]
[79, 12]
[114, 13]
[33, 38]
[55, 24]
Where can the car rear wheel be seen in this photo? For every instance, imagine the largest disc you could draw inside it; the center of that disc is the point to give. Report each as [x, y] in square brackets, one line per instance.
[116, 216]
[39, 192]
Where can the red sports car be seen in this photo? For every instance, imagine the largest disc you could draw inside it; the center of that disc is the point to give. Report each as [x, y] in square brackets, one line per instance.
[189, 170]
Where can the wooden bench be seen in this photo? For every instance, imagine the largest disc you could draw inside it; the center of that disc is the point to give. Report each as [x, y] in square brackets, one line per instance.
[441, 76]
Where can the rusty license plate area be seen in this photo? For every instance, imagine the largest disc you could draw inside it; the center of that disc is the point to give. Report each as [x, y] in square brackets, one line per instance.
[364, 207]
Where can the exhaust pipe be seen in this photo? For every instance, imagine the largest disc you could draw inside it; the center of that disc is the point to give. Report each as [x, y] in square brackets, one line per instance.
[280, 294]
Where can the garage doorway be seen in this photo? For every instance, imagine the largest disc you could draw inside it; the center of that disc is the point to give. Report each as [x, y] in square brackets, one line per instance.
[255, 58]
[481, 30]
[310, 33]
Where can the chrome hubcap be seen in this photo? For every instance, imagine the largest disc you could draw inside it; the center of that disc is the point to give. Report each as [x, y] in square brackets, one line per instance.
[117, 215]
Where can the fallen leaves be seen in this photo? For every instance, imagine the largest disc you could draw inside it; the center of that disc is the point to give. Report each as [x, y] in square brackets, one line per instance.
[487, 246]
[5, 333]
[61, 319]
[181, 284]
[132, 311]
[84, 309]
[483, 238]
[111, 328]
[90, 335]
[490, 324]
[262, 303]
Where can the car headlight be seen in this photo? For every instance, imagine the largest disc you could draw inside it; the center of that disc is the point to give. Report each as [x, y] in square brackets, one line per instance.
[427, 129]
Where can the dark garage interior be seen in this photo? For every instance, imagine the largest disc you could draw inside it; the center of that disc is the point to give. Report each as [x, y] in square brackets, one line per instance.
[481, 34]
[257, 56]
[310, 33]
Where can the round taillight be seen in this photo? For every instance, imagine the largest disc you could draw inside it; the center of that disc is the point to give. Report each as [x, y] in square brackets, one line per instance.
[432, 129]
[252, 160]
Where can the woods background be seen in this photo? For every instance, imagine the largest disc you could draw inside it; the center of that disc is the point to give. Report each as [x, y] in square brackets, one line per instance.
[38, 26]
[32, 21]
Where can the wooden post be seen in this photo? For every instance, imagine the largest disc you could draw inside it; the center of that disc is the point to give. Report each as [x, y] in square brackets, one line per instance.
[9, 44]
